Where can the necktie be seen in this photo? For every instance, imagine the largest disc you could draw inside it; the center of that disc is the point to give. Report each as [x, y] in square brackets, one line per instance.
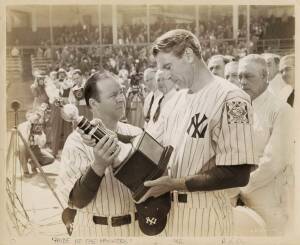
[290, 99]
[156, 114]
[149, 110]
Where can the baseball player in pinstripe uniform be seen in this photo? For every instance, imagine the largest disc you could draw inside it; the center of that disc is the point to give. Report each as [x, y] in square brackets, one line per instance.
[210, 128]
[104, 205]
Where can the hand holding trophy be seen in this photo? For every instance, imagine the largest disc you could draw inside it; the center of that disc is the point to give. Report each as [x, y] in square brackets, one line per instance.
[97, 131]
[133, 163]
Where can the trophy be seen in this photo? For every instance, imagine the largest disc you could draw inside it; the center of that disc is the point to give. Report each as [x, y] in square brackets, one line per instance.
[138, 161]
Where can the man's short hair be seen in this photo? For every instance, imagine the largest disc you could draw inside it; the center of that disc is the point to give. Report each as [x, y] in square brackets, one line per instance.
[288, 60]
[258, 59]
[221, 57]
[177, 41]
[275, 57]
[231, 64]
[90, 87]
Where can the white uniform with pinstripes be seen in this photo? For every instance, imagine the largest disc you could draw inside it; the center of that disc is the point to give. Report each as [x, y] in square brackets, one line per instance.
[227, 140]
[112, 199]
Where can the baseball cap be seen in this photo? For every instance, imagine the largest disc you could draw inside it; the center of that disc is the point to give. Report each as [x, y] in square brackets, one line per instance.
[153, 214]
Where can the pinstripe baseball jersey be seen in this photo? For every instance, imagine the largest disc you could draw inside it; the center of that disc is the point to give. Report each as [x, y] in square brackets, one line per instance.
[207, 128]
[212, 125]
[112, 199]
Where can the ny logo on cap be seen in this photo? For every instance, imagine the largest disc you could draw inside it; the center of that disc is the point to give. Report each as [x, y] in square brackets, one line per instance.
[151, 221]
[198, 126]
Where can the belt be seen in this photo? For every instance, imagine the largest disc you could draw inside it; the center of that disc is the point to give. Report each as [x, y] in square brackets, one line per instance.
[114, 221]
[179, 197]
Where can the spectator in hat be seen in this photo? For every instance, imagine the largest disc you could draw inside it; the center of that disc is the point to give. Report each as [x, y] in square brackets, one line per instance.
[38, 89]
[76, 95]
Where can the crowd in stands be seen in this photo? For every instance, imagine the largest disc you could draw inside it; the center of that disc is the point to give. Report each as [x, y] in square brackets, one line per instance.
[210, 30]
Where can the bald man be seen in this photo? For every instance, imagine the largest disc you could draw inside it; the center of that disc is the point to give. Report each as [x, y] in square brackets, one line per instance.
[287, 70]
[153, 97]
[231, 73]
[216, 64]
[266, 192]
[277, 85]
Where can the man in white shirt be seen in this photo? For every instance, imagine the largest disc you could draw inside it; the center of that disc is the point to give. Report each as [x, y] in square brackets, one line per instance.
[266, 191]
[277, 85]
[168, 89]
[287, 70]
[153, 97]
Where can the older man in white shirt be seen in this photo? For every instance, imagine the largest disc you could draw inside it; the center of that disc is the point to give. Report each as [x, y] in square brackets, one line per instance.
[277, 85]
[153, 97]
[287, 71]
[267, 188]
[168, 89]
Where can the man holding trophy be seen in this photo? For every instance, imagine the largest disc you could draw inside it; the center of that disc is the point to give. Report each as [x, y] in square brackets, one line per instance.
[104, 206]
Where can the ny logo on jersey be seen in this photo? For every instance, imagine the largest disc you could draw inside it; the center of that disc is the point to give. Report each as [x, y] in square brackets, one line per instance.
[151, 221]
[197, 126]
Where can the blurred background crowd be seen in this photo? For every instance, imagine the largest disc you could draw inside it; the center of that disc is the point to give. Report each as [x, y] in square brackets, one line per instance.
[60, 39]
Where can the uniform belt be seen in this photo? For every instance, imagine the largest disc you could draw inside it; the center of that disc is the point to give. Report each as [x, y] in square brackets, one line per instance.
[114, 221]
[179, 197]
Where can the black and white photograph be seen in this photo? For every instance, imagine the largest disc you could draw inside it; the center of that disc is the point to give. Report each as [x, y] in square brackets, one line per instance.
[130, 122]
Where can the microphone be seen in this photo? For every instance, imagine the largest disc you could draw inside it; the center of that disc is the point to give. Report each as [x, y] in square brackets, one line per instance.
[15, 105]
